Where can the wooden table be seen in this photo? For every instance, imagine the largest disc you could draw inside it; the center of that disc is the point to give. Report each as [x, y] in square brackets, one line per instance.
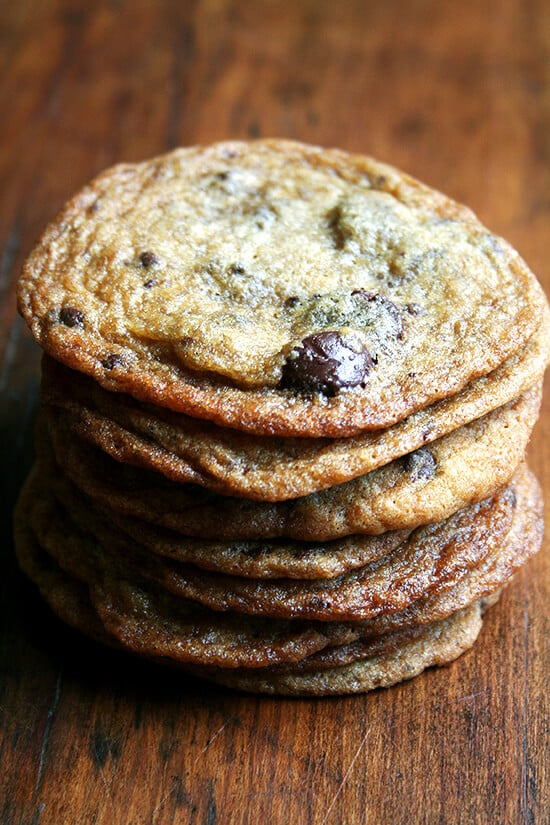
[459, 95]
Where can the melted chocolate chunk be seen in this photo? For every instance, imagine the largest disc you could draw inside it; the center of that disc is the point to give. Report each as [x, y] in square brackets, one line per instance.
[292, 301]
[111, 361]
[326, 362]
[419, 465]
[71, 317]
[383, 305]
[148, 259]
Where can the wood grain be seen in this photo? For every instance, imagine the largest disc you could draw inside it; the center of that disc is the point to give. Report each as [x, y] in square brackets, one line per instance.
[459, 95]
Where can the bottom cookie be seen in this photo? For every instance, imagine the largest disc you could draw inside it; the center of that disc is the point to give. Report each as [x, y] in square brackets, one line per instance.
[439, 644]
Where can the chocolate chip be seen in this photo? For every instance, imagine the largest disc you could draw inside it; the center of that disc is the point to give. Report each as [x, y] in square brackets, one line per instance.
[292, 301]
[419, 465]
[326, 362]
[383, 305]
[151, 282]
[415, 309]
[71, 317]
[338, 229]
[148, 259]
[236, 269]
[111, 361]
[321, 604]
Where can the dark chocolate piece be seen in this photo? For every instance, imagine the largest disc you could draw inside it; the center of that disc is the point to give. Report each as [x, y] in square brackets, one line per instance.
[321, 604]
[326, 362]
[338, 229]
[415, 309]
[71, 317]
[419, 465]
[237, 269]
[148, 259]
[111, 361]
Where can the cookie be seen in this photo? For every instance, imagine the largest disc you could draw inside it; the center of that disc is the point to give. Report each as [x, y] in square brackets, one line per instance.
[437, 646]
[191, 632]
[158, 624]
[433, 557]
[258, 559]
[83, 558]
[145, 625]
[187, 450]
[285, 405]
[276, 288]
[428, 485]
[310, 658]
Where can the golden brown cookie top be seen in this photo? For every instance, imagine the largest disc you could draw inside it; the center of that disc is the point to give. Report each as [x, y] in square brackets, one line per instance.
[276, 288]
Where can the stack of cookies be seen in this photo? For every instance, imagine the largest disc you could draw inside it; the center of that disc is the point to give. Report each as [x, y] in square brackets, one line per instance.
[286, 398]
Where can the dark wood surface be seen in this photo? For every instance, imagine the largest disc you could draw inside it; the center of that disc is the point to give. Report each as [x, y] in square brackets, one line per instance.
[459, 95]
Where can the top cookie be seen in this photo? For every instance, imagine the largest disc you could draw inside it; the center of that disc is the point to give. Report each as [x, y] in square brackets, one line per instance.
[276, 288]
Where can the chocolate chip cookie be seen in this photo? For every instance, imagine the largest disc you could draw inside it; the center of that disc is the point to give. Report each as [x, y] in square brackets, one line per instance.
[109, 600]
[276, 288]
[427, 485]
[286, 398]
